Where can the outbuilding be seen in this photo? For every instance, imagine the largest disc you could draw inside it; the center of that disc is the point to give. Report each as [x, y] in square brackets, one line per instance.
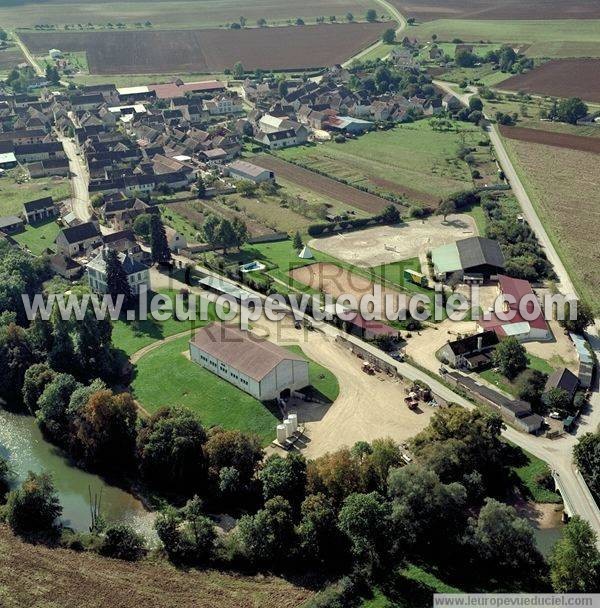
[256, 366]
[240, 169]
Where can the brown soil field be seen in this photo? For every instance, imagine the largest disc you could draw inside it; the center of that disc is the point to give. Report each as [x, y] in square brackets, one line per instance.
[38, 576]
[212, 50]
[428, 10]
[10, 58]
[565, 188]
[324, 185]
[549, 138]
[338, 281]
[560, 78]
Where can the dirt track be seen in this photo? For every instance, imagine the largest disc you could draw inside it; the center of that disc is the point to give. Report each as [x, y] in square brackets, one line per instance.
[213, 50]
[561, 78]
[549, 138]
[324, 185]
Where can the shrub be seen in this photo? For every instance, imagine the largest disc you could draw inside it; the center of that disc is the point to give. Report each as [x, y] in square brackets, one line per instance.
[122, 542]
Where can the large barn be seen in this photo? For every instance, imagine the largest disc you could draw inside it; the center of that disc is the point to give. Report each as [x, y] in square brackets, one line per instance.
[473, 259]
[258, 367]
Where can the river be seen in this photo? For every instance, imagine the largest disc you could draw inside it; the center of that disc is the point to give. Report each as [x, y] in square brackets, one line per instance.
[22, 444]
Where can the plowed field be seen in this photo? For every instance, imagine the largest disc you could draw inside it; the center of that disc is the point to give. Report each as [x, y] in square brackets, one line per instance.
[559, 140]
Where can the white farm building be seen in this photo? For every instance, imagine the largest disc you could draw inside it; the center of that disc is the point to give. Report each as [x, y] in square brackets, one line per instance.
[258, 367]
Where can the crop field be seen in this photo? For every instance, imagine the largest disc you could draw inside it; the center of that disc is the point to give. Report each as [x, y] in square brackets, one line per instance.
[411, 160]
[561, 78]
[547, 37]
[174, 13]
[324, 185]
[565, 188]
[74, 579]
[212, 50]
[10, 58]
[549, 138]
[427, 10]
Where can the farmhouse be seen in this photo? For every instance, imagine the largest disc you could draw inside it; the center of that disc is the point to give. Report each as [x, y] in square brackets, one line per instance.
[258, 367]
[474, 259]
[138, 274]
[240, 169]
[527, 319]
[40, 209]
[471, 352]
[78, 239]
[11, 224]
[563, 379]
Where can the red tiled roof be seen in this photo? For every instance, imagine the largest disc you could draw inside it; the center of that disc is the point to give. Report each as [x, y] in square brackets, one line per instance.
[170, 90]
[375, 327]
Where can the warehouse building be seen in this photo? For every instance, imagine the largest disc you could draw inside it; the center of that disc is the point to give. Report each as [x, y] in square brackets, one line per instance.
[475, 260]
[258, 367]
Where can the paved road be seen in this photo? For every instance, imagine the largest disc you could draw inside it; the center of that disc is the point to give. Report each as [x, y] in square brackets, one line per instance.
[397, 15]
[79, 180]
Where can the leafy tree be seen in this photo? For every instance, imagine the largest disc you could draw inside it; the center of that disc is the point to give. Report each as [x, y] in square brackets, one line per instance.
[510, 357]
[571, 110]
[233, 449]
[122, 542]
[298, 244]
[371, 15]
[240, 232]
[52, 413]
[475, 103]
[170, 450]
[16, 357]
[62, 354]
[507, 58]
[238, 70]
[506, 552]
[93, 346]
[586, 455]
[161, 254]
[246, 188]
[177, 544]
[556, 399]
[364, 519]
[201, 529]
[389, 36]
[583, 317]
[34, 507]
[230, 484]
[200, 186]
[282, 88]
[336, 474]
[349, 17]
[575, 560]
[210, 229]
[37, 378]
[465, 59]
[261, 22]
[530, 386]
[141, 225]
[284, 477]
[5, 477]
[226, 236]
[321, 542]
[116, 278]
[446, 208]
[391, 215]
[299, 21]
[104, 430]
[268, 536]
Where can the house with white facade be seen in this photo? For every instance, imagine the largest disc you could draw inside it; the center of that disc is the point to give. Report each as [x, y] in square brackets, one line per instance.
[256, 366]
[138, 274]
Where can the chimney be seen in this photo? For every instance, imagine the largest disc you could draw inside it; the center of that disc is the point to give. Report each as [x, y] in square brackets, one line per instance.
[479, 342]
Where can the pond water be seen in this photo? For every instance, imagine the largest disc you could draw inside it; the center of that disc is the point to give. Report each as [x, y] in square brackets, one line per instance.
[22, 444]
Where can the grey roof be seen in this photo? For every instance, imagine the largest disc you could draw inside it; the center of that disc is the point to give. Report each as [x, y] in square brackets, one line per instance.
[469, 344]
[9, 220]
[38, 204]
[477, 251]
[81, 232]
[245, 352]
[130, 266]
[564, 379]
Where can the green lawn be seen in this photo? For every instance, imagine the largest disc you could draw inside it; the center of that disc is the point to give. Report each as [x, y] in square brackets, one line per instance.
[529, 473]
[484, 74]
[411, 159]
[131, 336]
[166, 377]
[552, 38]
[13, 195]
[39, 237]
[323, 383]
[504, 384]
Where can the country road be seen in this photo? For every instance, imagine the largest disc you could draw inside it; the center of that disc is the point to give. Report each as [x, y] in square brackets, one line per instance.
[34, 64]
[79, 180]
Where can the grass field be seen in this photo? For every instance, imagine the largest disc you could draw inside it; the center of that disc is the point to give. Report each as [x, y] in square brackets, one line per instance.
[130, 337]
[411, 159]
[174, 13]
[13, 195]
[484, 74]
[552, 38]
[39, 237]
[563, 186]
[529, 473]
[504, 384]
[165, 376]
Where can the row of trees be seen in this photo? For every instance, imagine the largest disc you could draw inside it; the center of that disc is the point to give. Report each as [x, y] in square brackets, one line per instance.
[222, 233]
